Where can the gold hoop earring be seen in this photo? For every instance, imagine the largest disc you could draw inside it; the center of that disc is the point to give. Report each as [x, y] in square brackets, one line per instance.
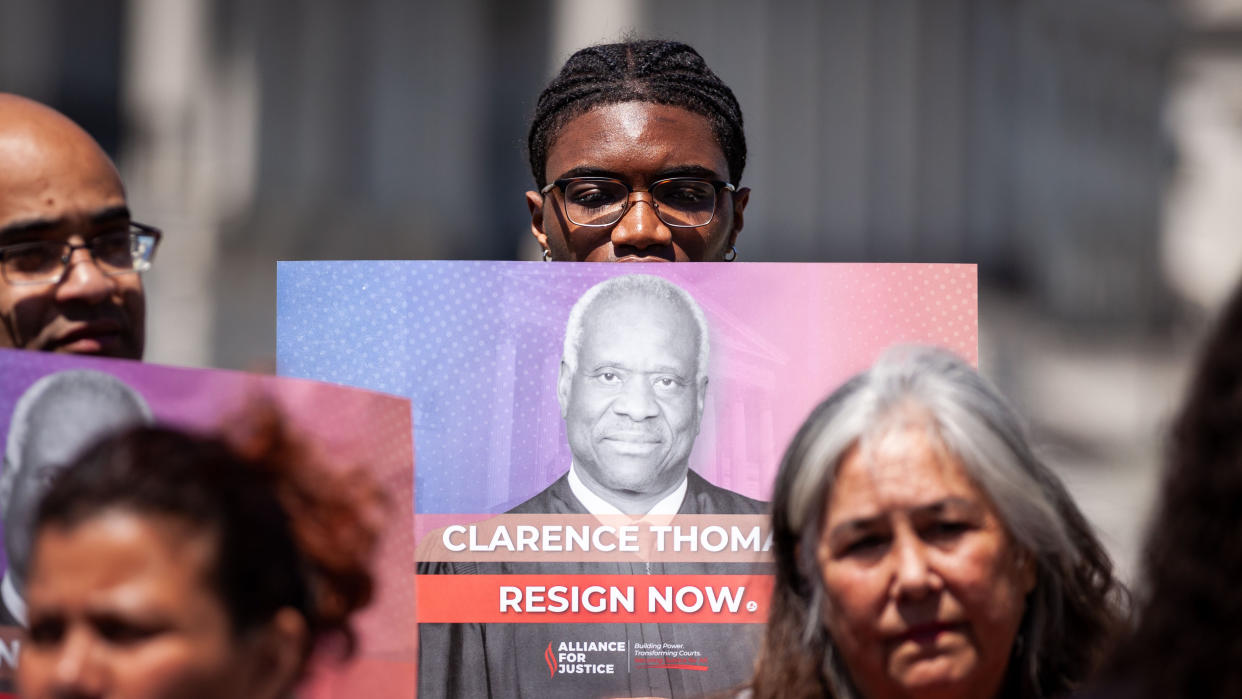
[731, 255]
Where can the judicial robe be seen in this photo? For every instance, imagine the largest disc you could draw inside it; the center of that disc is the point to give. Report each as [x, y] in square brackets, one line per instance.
[512, 660]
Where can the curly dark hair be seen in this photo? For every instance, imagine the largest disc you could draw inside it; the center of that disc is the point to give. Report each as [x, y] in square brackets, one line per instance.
[660, 72]
[1071, 615]
[289, 533]
[1186, 642]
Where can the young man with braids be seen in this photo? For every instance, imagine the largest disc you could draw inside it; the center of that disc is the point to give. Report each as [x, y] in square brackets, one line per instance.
[636, 150]
[641, 122]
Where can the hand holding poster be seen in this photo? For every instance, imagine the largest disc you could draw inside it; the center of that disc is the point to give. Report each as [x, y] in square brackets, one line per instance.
[593, 458]
[52, 407]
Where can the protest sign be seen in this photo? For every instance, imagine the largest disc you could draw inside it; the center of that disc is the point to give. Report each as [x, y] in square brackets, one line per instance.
[643, 569]
[352, 429]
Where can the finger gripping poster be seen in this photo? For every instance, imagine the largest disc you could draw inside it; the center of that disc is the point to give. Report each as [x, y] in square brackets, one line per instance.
[595, 446]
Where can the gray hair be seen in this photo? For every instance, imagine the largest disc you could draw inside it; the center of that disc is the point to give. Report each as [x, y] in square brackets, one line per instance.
[935, 389]
[73, 399]
[646, 286]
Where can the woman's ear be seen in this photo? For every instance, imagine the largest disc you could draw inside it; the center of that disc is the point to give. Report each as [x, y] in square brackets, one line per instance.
[276, 654]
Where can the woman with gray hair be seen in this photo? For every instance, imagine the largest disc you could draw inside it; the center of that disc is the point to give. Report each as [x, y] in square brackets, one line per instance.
[922, 550]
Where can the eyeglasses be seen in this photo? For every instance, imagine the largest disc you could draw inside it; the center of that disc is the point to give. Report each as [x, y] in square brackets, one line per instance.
[680, 202]
[115, 253]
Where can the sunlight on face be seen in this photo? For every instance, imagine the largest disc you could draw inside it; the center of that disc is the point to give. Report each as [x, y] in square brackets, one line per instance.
[925, 587]
[637, 143]
[119, 606]
[56, 184]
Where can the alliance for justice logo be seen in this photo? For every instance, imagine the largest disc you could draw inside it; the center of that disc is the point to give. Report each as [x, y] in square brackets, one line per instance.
[598, 657]
[582, 657]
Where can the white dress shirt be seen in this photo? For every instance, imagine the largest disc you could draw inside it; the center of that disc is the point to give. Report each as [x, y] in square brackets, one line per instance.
[669, 505]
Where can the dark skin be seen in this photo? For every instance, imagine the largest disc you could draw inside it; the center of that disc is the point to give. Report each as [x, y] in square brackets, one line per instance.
[57, 184]
[637, 143]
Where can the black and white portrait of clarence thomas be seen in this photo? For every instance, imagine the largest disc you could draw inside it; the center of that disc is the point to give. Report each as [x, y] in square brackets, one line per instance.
[55, 419]
[631, 387]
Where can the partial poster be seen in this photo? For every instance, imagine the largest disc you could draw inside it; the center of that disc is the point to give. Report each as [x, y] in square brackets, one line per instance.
[596, 445]
[53, 406]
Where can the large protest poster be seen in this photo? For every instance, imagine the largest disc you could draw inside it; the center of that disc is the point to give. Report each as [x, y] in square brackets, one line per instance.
[531, 583]
[351, 428]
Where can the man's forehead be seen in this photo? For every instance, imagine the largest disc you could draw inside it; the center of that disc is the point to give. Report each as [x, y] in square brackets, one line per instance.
[33, 161]
[22, 116]
[64, 427]
[637, 307]
[49, 166]
[59, 443]
[612, 321]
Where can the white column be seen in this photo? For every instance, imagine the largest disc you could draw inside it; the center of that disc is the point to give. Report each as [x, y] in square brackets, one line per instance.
[188, 162]
[1201, 245]
[580, 23]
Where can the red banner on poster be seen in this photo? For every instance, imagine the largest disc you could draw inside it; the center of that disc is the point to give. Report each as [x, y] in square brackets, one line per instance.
[594, 599]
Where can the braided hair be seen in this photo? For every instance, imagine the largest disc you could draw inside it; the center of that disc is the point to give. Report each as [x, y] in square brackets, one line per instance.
[659, 72]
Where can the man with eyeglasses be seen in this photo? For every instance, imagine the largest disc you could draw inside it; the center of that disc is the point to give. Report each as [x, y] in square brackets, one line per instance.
[70, 256]
[637, 151]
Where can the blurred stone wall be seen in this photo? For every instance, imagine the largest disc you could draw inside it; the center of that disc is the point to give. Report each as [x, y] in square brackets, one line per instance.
[1022, 135]
[1087, 155]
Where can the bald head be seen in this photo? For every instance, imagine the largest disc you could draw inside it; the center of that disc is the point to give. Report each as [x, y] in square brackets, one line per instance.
[58, 185]
[38, 142]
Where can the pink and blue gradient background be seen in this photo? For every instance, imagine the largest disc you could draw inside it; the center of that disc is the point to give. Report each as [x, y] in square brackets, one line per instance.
[476, 347]
[351, 428]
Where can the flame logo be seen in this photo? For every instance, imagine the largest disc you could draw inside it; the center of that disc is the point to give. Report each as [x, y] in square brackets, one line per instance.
[550, 657]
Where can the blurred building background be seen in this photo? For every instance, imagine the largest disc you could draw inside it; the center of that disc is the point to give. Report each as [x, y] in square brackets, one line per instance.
[1087, 155]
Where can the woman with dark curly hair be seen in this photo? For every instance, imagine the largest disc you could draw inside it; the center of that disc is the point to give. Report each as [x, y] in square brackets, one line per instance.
[172, 565]
[1187, 640]
[639, 122]
[922, 550]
